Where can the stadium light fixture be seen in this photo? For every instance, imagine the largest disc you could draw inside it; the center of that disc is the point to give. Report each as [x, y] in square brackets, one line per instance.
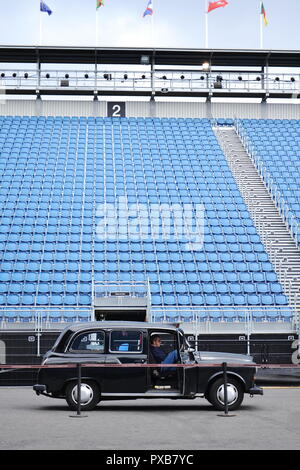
[25, 75]
[218, 82]
[125, 76]
[277, 79]
[292, 79]
[2, 75]
[47, 75]
[86, 75]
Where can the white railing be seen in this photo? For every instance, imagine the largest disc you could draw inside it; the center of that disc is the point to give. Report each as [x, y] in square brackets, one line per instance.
[119, 289]
[205, 317]
[153, 81]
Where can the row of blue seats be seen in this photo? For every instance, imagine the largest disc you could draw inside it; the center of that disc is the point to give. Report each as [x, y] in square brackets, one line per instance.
[150, 261]
[45, 299]
[220, 299]
[49, 286]
[61, 266]
[158, 277]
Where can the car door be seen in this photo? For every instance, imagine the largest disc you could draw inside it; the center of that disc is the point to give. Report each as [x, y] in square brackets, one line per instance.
[126, 347]
[83, 347]
[189, 372]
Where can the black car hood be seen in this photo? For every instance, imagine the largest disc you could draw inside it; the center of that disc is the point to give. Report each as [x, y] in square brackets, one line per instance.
[220, 357]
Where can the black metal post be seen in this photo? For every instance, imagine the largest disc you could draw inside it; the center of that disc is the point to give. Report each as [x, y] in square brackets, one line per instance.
[78, 411]
[78, 389]
[224, 365]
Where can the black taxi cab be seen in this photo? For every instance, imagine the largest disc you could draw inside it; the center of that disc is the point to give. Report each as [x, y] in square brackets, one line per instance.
[131, 360]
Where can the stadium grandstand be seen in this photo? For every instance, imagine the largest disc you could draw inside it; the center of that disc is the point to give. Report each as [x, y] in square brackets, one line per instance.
[135, 186]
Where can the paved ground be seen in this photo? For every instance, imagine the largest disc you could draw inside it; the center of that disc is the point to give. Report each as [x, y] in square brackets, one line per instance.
[31, 422]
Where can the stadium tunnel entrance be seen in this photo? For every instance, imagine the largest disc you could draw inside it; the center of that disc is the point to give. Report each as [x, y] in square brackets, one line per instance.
[121, 315]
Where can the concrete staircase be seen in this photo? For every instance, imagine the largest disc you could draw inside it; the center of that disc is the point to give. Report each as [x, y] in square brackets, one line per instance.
[275, 235]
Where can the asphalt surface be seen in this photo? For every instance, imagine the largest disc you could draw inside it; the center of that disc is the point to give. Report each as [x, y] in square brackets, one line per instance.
[29, 422]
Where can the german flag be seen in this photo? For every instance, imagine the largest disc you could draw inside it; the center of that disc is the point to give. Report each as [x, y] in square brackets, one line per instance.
[99, 3]
[263, 13]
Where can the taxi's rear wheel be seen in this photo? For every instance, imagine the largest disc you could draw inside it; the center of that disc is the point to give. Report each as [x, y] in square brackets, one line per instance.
[90, 395]
[235, 394]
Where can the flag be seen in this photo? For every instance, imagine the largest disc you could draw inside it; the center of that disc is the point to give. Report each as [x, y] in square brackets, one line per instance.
[217, 4]
[45, 8]
[99, 3]
[263, 12]
[149, 9]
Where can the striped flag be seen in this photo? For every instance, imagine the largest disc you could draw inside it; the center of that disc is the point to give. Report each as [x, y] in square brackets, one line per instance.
[149, 9]
[263, 13]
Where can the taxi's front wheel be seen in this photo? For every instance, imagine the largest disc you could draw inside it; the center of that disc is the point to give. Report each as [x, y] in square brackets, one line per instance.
[89, 395]
[235, 394]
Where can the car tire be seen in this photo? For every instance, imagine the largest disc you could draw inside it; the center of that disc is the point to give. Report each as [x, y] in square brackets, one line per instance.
[235, 393]
[90, 395]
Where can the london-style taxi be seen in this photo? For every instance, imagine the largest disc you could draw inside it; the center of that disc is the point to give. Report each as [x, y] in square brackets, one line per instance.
[117, 362]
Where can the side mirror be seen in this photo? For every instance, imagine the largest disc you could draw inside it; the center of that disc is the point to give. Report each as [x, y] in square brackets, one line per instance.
[191, 353]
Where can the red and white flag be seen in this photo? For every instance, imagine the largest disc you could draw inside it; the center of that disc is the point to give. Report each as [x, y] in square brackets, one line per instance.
[217, 4]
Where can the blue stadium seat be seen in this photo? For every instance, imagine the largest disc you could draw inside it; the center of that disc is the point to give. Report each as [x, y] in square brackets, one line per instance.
[53, 244]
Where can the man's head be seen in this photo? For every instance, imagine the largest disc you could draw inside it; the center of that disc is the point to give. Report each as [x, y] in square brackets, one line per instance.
[155, 341]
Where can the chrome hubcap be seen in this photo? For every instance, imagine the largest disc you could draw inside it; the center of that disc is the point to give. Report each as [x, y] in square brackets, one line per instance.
[232, 394]
[86, 394]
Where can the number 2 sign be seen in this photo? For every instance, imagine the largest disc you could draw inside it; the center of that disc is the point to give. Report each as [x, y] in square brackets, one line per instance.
[116, 109]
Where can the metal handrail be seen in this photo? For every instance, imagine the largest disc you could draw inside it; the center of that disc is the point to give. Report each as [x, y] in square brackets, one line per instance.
[145, 79]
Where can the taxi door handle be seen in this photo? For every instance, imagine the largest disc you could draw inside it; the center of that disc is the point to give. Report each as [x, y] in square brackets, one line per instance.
[139, 361]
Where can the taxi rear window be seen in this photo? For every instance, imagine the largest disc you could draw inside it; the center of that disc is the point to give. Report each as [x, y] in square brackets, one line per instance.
[88, 342]
[126, 341]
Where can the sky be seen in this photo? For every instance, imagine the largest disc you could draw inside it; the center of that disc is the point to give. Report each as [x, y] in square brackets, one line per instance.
[175, 24]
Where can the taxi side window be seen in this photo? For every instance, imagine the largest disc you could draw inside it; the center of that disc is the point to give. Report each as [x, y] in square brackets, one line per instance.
[88, 342]
[126, 341]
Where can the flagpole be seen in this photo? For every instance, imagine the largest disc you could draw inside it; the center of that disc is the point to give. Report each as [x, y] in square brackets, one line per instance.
[206, 23]
[152, 25]
[97, 26]
[261, 27]
[40, 28]
[40, 21]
